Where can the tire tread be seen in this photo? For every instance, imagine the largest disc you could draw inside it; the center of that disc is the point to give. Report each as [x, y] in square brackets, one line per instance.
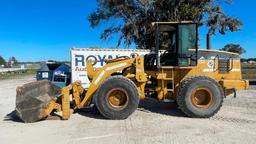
[180, 96]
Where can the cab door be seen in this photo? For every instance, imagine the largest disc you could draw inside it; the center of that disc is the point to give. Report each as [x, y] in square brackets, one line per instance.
[187, 44]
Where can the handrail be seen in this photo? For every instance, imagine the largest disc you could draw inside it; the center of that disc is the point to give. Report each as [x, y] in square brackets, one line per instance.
[217, 56]
[232, 63]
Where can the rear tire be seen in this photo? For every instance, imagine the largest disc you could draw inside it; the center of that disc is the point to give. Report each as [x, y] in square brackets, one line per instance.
[117, 97]
[200, 97]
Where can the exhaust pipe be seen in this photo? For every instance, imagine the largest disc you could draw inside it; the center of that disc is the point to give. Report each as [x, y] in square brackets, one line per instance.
[208, 41]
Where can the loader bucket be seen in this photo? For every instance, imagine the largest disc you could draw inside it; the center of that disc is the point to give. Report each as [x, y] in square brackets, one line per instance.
[32, 99]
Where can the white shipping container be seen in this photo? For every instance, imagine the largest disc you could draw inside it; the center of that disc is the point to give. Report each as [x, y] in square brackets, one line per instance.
[79, 56]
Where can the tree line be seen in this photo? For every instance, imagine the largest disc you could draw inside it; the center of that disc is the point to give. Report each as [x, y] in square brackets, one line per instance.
[9, 63]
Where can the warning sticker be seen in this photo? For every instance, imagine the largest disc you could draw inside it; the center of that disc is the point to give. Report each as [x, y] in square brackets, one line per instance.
[210, 64]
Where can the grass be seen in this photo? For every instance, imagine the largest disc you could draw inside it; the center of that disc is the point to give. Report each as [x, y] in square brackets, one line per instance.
[249, 71]
[15, 74]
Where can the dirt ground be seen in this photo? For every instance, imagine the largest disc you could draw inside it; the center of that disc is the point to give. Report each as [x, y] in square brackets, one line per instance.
[154, 122]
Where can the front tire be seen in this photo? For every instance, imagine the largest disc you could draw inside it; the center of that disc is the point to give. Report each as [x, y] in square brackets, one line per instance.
[117, 97]
[200, 97]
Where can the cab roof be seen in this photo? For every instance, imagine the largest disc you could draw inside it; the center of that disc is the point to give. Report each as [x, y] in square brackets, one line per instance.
[176, 22]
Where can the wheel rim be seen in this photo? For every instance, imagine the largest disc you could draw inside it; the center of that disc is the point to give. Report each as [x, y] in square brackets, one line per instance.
[202, 98]
[118, 98]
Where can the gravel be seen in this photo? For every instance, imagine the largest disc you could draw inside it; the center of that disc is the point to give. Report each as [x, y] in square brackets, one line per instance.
[154, 122]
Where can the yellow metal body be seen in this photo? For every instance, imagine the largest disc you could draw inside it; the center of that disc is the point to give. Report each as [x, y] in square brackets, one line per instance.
[174, 75]
[133, 68]
[74, 90]
[49, 108]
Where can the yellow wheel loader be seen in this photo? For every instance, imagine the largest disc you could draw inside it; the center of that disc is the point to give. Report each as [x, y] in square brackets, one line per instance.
[175, 69]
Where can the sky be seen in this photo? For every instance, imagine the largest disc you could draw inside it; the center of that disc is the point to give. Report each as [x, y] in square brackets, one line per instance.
[39, 30]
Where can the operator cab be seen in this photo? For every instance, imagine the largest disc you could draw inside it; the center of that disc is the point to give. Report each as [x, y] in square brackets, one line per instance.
[175, 45]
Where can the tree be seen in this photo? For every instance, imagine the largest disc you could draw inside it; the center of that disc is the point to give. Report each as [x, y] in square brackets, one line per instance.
[132, 18]
[13, 61]
[2, 61]
[235, 48]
